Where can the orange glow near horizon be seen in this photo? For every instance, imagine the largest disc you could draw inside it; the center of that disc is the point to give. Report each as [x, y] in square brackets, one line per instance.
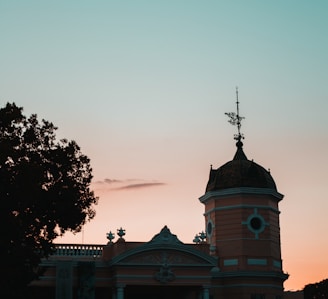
[143, 210]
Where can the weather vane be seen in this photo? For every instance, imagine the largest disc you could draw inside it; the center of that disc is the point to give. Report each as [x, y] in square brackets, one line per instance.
[235, 119]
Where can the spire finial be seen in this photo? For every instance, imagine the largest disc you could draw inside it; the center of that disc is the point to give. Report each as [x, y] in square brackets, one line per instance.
[235, 119]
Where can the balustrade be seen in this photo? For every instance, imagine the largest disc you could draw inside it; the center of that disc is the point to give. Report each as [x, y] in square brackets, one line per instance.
[78, 250]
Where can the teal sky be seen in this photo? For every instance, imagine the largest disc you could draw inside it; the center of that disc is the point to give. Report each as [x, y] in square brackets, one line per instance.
[142, 86]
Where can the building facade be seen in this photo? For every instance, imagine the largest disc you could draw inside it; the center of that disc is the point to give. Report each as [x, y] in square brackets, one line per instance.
[239, 257]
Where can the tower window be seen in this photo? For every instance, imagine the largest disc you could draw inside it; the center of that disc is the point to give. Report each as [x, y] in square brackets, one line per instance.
[209, 228]
[256, 223]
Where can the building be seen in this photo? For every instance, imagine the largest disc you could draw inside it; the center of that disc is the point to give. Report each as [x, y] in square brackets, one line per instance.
[238, 257]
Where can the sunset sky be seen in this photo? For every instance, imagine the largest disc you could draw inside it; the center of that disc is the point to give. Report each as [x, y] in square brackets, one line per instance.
[142, 87]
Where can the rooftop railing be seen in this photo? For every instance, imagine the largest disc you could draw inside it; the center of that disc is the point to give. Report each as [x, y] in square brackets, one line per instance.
[89, 250]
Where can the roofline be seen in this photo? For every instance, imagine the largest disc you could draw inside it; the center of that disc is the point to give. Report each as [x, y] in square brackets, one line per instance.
[252, 274]
[240, 190]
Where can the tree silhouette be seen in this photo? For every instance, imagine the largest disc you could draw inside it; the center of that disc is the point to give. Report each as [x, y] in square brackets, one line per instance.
[318, 290]
[44, 191]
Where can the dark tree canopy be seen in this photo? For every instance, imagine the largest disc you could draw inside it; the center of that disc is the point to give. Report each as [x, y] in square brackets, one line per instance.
[316, 290]
[44, 191]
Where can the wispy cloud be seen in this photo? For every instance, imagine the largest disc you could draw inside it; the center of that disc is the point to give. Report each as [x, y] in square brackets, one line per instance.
[129, 184]
[111, 181]
[140, 185]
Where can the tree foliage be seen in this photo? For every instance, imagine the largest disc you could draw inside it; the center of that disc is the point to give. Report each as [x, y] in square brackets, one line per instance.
[44, 191]
[318, 290]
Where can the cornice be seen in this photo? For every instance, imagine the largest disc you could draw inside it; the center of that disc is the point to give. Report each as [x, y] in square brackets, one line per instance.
[239, 191]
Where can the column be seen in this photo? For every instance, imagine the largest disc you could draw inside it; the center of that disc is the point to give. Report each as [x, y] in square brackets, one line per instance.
[64, 278]
[120, 292]
[206, 293]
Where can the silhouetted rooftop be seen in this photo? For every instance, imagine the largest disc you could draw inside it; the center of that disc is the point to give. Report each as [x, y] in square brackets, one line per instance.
[240, 172]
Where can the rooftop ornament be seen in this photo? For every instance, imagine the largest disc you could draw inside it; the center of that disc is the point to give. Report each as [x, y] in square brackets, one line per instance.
[200, 238]
[121, 232]
[196, 239]
[235, 119]
[110, 236]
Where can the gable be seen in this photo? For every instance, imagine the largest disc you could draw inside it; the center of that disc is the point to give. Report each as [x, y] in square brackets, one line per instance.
[165, 248]
[159, 256]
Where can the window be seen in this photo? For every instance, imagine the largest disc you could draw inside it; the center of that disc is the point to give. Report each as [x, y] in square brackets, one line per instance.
[256, 223]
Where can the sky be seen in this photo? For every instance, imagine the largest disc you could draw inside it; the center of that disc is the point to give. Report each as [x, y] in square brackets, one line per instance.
[142, 87]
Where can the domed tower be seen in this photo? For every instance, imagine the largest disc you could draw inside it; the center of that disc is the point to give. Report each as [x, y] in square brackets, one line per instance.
[242, 226]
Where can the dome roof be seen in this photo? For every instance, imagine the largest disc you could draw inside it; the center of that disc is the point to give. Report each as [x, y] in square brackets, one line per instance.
[240, 172]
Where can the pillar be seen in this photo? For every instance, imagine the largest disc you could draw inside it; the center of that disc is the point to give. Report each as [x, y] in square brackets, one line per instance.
[64, 278]
[120, 292]
[206, 293]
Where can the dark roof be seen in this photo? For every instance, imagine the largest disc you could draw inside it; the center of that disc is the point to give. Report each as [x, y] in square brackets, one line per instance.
[240, 172]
